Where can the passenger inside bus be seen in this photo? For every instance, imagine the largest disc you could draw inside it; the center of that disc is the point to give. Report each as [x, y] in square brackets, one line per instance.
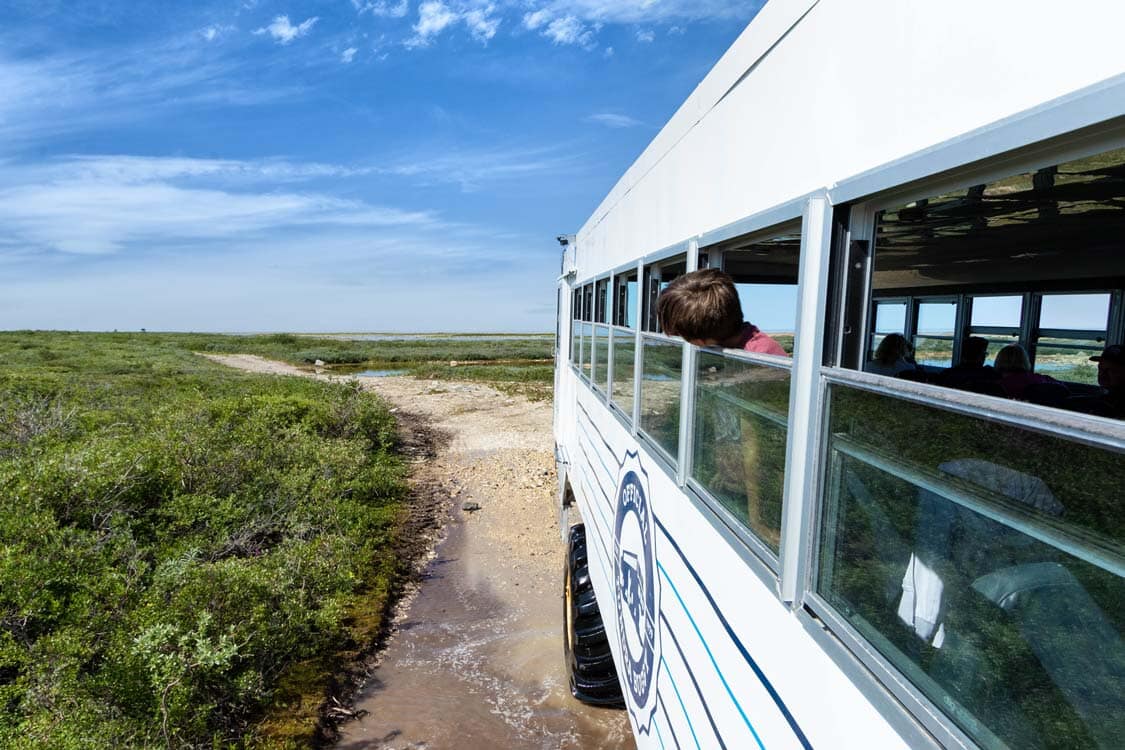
[893, 356]
[971, 373]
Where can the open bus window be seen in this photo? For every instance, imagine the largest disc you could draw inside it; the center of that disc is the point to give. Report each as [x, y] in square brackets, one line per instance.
[575, 326]
[765, 274]
[657, 278]
[625, 300]
[1032, 263]
[601, 300]
[742, 407]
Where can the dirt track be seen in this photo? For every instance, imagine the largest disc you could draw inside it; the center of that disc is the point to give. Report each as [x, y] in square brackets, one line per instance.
[474, 659]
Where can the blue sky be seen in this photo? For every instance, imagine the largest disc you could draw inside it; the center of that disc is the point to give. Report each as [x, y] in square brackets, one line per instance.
[332, 165]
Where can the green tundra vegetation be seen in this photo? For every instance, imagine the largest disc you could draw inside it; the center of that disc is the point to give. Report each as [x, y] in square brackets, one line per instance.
[187, 553]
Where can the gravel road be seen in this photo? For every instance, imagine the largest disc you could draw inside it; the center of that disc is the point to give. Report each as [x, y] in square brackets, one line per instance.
[474, 659]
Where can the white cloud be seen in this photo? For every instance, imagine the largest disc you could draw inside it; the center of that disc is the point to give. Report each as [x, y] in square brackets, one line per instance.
[213, 32]
[481, 25]
[536, 19]
[569, 30]
[578, 21]
[285, 32]
[435, 16]
[609, 52]
[611, 120]
[348, 55]
[382, 8]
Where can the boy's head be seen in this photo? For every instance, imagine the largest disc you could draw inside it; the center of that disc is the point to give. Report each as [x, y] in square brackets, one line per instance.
[701, 306]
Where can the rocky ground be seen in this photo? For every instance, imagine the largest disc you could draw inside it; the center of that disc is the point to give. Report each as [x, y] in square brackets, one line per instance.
[474, 656]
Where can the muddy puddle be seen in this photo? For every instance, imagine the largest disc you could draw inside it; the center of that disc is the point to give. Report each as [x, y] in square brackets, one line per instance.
[472, 666]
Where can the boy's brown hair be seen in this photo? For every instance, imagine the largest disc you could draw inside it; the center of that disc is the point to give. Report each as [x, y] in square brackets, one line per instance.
[700, 306]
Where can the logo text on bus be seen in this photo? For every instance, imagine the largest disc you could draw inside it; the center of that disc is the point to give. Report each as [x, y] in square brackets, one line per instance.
[638, 591]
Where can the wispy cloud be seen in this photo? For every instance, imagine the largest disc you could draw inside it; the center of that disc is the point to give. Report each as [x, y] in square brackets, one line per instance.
[102, 205]
[215, 31]
[382, 8]
[648, 11]
[44, 97]
[645, 35]
[611, 120]
[472, 169]
[284, 32]
[348, 55]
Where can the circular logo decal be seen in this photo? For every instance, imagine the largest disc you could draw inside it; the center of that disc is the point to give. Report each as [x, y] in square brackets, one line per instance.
[638, 591]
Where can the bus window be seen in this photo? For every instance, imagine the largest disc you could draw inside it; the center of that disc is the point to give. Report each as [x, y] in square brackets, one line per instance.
[742, 406]
[576, 327]
[599, 349]
[1030, 263]
[587, 329]
[661, 375]
[623, 378]
[997, 320]
[890, 317]
[985, 562]
[741, 418]
[1072, 328]
[601, 300]
[661, 364]
[935, 333]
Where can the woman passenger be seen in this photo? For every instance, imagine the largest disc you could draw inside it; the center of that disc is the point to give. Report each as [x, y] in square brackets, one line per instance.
[1014, 367]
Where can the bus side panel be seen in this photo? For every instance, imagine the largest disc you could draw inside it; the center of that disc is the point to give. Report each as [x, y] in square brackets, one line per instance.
[731, 664]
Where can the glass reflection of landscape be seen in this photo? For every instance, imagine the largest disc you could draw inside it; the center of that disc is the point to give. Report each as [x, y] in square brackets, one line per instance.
[660, 394]
[985, 562]
[739, 448]
[624, 349]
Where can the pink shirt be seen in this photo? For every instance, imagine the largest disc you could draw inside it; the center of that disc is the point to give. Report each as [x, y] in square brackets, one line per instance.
[753, 340]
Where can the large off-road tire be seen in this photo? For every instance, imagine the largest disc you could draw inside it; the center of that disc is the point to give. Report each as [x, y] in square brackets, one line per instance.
[589, 662]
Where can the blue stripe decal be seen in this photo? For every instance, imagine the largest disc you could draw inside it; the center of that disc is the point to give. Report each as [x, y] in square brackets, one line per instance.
[608, 472]
[596, 474]
[585, 478]
[710, 656]
[659, 736]
[683, 708]
[667, 719]
[605, 442]
[604, 559]
[738, 643]
[702, 700]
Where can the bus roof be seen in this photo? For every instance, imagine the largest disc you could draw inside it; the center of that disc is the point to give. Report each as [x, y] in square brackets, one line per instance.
[816, 91]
